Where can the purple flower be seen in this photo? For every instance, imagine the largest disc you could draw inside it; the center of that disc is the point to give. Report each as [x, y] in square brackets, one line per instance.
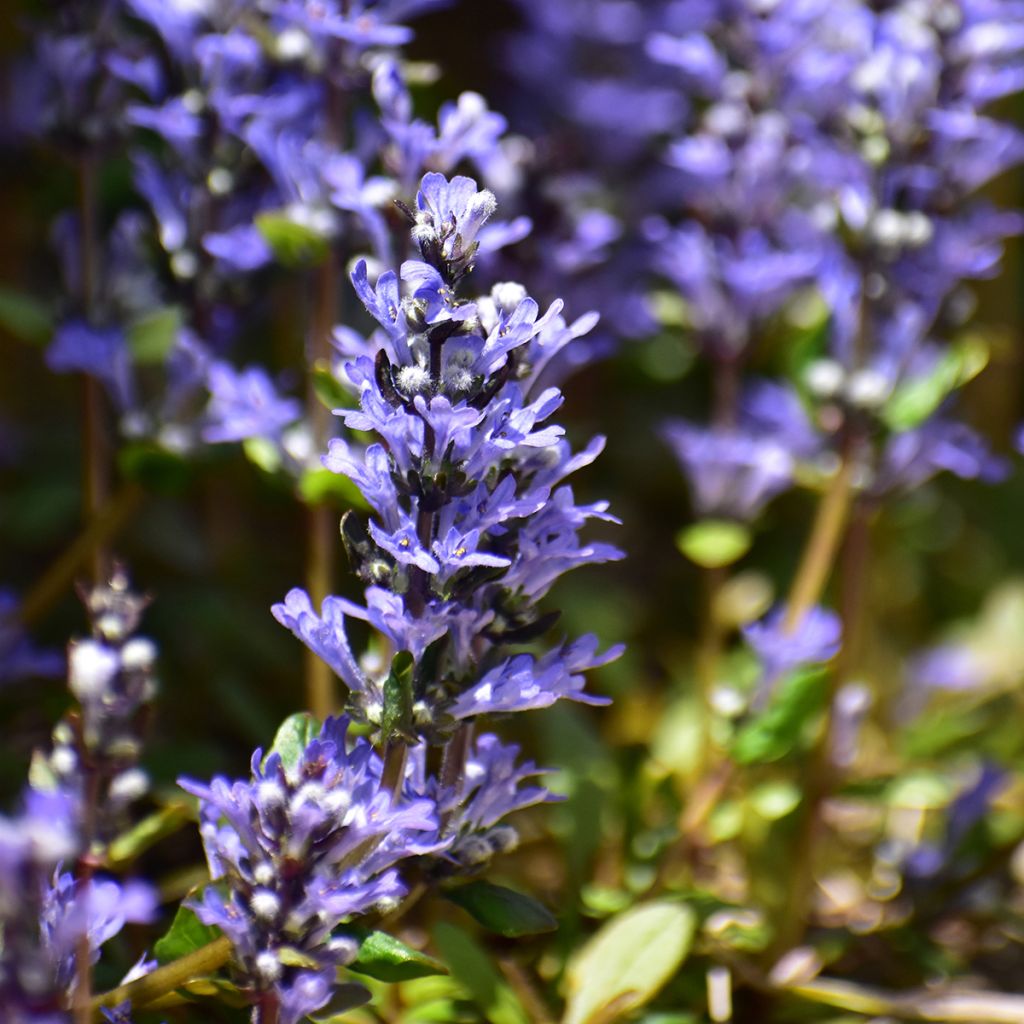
[781, 648]
[244, 403]
[732, 475]
[471, 522]
[101, 352]
[298, 850]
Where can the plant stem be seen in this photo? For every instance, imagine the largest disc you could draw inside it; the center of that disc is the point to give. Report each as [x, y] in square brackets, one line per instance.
[95, 443]
[393, 774]
[821, 772]
[166, 979]
[822, 545]
[105, 524]
[321, 526]
[268, 1009]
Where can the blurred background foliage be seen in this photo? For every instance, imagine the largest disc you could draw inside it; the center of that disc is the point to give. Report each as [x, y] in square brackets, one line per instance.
[653, 814]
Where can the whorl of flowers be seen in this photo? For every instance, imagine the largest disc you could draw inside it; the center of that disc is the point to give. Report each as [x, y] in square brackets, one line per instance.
[472, 521]
[296, 851]
[96, 748]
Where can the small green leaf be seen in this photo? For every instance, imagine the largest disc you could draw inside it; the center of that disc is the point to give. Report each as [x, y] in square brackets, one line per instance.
[141, 836]
[347, 996]
[290, 956]
[152, 336]
[396, 718]
[472, 968]
[385, 958]
[186, 934]
[294, 244]
[714, 543]
[916, 399]
[156, 468]
[502, 910]
[262, 452]
[775, 800]
[24, 317]
[329, 389]
[781, 726]
[628, 961]
[321, 486]
[294, 734]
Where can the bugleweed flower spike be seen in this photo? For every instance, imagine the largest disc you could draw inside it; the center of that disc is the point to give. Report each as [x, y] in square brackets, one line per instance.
[472, 519]
[472, 522]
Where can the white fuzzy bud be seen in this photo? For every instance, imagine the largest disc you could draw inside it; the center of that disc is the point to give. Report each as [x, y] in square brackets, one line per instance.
[270, 794]
[268, 967]
[220, 181]
[265, 904]
[824, 378]
[91, 668]
[129, 785]
[138, 655]
[413, 379]
[263, 873]
[868, 389]
[292, 44]
[508, 294]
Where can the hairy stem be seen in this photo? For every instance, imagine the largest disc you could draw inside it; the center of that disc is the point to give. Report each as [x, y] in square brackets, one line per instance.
[166, 979]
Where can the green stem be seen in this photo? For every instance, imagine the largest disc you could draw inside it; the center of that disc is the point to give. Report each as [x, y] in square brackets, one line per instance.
[321, 521]
[166, 979]
[822, 545]
[105, 524]
[95, 442]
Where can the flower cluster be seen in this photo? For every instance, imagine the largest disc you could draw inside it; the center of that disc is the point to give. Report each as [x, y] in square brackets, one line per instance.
[96, 748]
[472, 520]
[46, 913]
[471, 524]
[302, 848]
[256, 138]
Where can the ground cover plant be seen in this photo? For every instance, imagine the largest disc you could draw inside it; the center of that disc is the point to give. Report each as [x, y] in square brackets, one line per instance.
[306, 717]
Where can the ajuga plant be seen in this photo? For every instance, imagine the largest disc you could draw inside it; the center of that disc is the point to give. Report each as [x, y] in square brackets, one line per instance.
[58, 905]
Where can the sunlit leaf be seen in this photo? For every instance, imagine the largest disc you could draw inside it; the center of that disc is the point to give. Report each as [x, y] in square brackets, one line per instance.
[186, 934]
[714, 543]
[294, 734]
[386, 958]
[629, 960]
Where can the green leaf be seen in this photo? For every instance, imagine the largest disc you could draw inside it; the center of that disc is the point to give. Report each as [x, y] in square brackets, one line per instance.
[24, 317]
[329, 389]
[156, 468]
[714, 543]
[473, 970]
[186, 934]
[916, 399]
[396, 717]
[294, 734]
[141, 836]
[151, 337]
[628, 961]
[294, 245]
[347, 996]
[262, 452]
[781, 727]
[502, 910]
[385, 958]
[322, 487]
[775, 800]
